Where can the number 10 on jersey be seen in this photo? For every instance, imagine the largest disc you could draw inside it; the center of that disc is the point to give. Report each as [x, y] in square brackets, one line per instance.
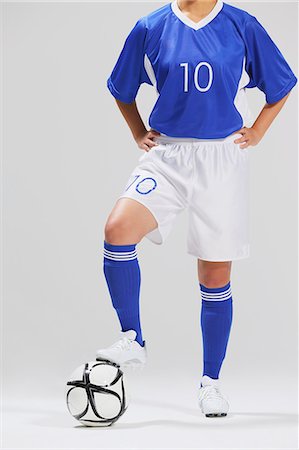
[195, 76]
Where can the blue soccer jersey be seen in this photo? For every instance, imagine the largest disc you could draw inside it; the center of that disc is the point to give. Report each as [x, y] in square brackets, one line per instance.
[200, 70]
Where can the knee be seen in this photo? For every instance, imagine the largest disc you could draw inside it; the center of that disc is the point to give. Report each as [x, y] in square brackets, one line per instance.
[211, 281]
[118, 231]
[215, 277]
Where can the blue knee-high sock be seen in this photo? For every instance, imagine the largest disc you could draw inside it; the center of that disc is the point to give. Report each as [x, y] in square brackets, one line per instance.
[216, 319]
[122, 273]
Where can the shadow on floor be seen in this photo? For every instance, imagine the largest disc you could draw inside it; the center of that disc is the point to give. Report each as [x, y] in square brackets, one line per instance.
[61, 419]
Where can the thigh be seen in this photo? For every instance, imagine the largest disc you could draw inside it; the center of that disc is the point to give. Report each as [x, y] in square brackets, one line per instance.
[160, 183]
[129, 221]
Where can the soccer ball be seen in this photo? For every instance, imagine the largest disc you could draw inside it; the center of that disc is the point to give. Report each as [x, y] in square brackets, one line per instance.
[96, 394]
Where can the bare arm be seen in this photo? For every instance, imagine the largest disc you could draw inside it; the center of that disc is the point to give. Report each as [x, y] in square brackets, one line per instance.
[142, 136]
[253, 135]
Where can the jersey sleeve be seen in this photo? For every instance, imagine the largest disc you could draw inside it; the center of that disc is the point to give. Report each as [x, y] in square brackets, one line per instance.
[129, 71]
[265, 64]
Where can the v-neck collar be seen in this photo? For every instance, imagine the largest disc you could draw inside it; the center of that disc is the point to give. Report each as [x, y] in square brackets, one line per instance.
[196, 25]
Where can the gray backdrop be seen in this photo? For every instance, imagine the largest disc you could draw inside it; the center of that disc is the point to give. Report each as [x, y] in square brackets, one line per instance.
[67, 155]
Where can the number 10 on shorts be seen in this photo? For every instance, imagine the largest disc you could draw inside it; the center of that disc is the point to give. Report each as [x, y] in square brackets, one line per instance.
[143, 185]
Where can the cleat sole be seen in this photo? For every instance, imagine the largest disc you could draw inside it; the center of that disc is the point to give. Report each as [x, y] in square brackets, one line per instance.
[216, 415]
[131, 364]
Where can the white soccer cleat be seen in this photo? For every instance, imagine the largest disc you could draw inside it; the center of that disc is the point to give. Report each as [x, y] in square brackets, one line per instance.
[211, 402]
[126, 352]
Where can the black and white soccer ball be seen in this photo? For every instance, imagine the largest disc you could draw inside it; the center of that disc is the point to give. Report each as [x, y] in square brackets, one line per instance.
[96, 393]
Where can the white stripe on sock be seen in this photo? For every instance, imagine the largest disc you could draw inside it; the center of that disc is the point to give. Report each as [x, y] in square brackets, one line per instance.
[121, 256]
[118, 253]
[216, 296]
[217, 299]
[116, 259]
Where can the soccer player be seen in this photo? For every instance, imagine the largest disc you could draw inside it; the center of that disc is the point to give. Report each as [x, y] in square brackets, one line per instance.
[200, 56]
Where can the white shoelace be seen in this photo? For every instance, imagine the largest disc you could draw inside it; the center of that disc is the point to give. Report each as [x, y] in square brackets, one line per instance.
[122, 344]
[210, 392]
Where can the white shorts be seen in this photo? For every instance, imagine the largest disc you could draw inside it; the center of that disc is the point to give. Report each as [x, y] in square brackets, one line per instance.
[208, 177]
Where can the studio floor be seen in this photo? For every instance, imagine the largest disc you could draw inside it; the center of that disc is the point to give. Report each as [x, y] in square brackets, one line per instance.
[162, 414]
